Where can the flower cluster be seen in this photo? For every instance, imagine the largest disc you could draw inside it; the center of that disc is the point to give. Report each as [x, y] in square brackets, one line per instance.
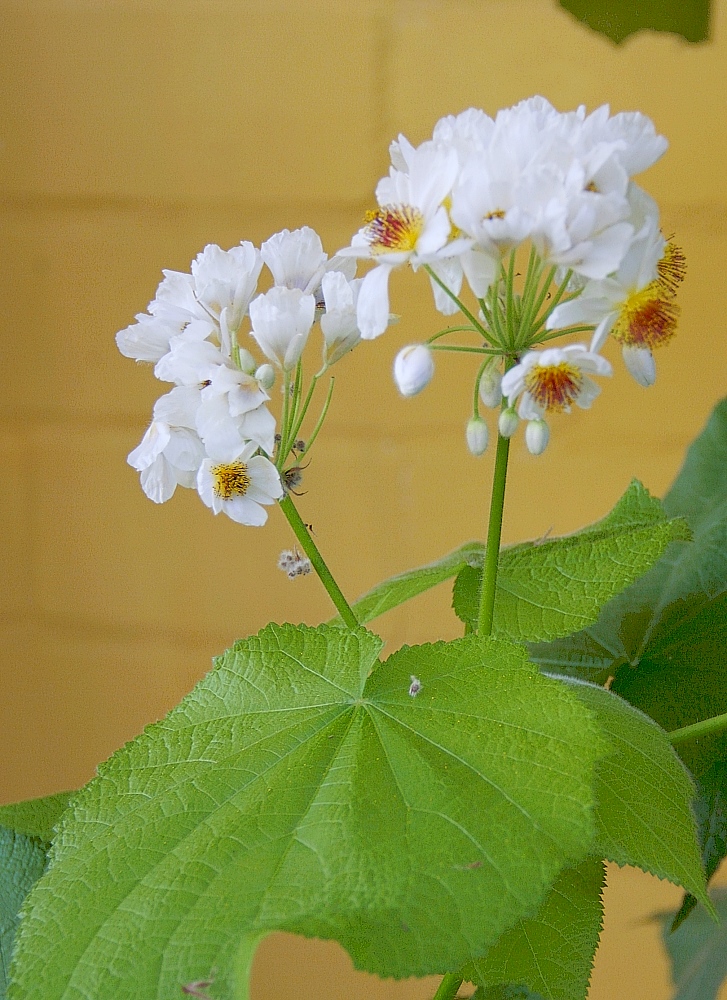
[214, 430]
[560, 184]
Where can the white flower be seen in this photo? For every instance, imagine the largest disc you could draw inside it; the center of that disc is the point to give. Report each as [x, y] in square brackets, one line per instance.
[635, 305]
[413, 369]
[338, 322]
[281, 321]
[170, 452]
[225, 281]
[478, 435]
[411, 224]
[232, 411]
[549, 381]
[239, 484]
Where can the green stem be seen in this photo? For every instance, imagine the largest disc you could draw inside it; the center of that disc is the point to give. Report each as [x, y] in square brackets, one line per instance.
[494, 531]
[450, 329]
[448, 987]
[468, 350]
[460, 304]
[319, 423]
[704, 728]
[311, 550]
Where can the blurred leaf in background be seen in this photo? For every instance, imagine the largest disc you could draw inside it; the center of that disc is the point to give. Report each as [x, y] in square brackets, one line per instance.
[617, 19]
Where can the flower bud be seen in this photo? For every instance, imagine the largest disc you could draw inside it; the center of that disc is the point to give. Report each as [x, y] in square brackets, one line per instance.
[265, 375]
[491, 387]
[508, 422]
[478, 435]
[640, 363]
[413, 369]
[247, 362]
[537, 435]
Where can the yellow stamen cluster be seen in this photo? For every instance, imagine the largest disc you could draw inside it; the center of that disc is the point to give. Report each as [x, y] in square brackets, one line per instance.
[230, 480]
[554, 387]
[394, 228]
[648, 318]
[498, 213]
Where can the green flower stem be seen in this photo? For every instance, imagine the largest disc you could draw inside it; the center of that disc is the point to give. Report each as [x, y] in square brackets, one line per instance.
[468, 350]
[448, 987]
[494, 531]
[311, 550]
[706, 727]
[450, 329]
[460, 304]
[319, 423]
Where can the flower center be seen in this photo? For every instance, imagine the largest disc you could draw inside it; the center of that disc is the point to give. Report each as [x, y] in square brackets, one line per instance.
[230, 480]
[647, 318]
[394, 228]
[554, 387]
[498, 213]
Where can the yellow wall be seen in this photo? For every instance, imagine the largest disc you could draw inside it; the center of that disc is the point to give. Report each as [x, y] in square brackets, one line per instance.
[135, 131]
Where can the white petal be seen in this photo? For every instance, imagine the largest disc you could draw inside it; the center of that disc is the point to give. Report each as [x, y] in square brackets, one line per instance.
[372, 311]
[158, 481]
[640, 363]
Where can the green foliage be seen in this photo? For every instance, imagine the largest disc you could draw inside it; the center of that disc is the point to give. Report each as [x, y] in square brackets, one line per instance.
[617, 19]
[698, 952]
[395, 591]
[26, 830]
[301, 787]
[548, 589]
[551, 954]
[35, 817]
[22, 860]
[710, 809]
[643, 795]
[663, 639]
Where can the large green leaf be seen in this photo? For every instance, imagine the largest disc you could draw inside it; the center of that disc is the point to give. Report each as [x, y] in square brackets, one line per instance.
[291, 790]
[551, 588]
[698, 952]
[551, 954]
[22, 860]
[617, 19]
[26, 830]
[664, 639]
[395, 591]
[710, 809]
[643, 795]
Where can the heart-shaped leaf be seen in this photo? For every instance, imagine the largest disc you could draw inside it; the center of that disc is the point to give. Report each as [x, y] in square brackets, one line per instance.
[412, 822]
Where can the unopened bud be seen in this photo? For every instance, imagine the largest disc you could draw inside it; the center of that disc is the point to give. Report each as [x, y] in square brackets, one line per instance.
[265, 375]
[508, 422]
[640, 363]
[491, 387]
[478, 435]
[247, 362]
[537, 435]
[413, 369]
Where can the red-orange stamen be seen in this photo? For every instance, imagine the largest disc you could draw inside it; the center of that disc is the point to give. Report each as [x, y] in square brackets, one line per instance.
[647, 319]
[394, 228]
[554, 387]
[671, 269]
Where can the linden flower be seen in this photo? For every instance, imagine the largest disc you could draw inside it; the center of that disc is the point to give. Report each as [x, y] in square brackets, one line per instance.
[635, 305]
[410, 224]
[239, 485]
[550, 381]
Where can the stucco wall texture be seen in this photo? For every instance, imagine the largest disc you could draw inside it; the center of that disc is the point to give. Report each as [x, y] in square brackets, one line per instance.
[132, 133]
